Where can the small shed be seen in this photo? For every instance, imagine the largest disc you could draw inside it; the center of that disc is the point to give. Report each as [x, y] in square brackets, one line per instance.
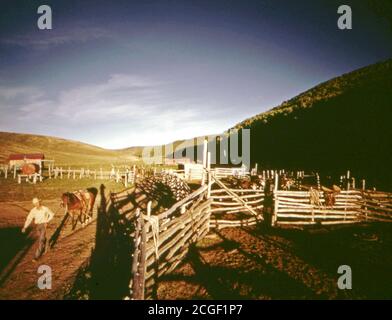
[192, 171]
[19, 159]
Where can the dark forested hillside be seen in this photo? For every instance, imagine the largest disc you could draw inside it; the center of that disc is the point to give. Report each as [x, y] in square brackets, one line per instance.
[340, 124]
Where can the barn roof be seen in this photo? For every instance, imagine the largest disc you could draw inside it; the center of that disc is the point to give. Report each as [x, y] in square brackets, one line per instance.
[22, 156]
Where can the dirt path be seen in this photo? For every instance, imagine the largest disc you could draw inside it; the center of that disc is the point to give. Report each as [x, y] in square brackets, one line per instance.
[18, 276]
[65, 260]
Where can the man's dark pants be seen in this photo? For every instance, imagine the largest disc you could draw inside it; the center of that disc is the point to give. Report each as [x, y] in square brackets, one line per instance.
[41, 230]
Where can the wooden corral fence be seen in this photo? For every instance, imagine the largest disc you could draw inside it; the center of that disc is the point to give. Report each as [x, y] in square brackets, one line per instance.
[228, 202]
[351, 206]
[161, 241]
[31, 178]
[377, 206]
[309, 207]
[227, 172]
[127, 176]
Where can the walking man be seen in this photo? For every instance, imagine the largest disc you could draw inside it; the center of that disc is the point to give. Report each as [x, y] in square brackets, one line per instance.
[41, 215]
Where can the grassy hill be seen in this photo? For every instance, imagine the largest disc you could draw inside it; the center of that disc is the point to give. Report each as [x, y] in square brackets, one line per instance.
[342, 123]
[64, 152]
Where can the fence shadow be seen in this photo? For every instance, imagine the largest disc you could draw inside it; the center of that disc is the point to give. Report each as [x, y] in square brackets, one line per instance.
[108, 272]
[14, 252]
[225, 282]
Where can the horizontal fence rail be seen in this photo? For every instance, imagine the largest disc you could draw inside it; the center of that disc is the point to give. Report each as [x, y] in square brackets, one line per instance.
[296, 207]
[223, 204]
[162, 241]
[377, 206]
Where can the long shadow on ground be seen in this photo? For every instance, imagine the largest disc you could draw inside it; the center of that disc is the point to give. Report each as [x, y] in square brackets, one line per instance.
[222, 282]
[12, 252]
[107, 274]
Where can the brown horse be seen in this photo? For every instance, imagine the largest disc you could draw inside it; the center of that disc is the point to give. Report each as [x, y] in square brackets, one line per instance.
[79, 204]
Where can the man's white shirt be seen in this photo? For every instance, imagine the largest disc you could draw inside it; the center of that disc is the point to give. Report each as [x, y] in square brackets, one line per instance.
[40, 215]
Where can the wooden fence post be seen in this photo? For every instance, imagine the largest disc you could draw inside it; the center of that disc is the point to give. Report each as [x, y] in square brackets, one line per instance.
[149, 208]
[363, 184]
[209, 174]
[126, 178]
[205, 146]
[276, 202]
[139, 257]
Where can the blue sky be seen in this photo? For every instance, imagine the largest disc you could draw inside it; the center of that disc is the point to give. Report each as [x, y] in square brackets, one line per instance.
[125, 73]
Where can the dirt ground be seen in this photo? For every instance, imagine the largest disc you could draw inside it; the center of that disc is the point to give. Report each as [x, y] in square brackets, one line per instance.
[72, 248]
[257, 263]
[233, 263]
[19, 274]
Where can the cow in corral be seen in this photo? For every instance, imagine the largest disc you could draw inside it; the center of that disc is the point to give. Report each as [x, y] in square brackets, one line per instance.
[286, 183]
[79, 204]
[254, 182]
[258, 182]
[330, 195]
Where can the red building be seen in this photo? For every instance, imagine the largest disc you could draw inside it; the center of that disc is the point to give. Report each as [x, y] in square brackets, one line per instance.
[19, 159]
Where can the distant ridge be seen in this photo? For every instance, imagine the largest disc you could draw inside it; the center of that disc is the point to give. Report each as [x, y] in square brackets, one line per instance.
[67, 152]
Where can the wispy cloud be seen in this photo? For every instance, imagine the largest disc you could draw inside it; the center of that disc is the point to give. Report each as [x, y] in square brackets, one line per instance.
[8, 93]
[57, 37]
[124, 110]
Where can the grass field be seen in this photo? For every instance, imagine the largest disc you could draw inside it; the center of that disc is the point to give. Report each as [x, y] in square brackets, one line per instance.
[10, 190]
